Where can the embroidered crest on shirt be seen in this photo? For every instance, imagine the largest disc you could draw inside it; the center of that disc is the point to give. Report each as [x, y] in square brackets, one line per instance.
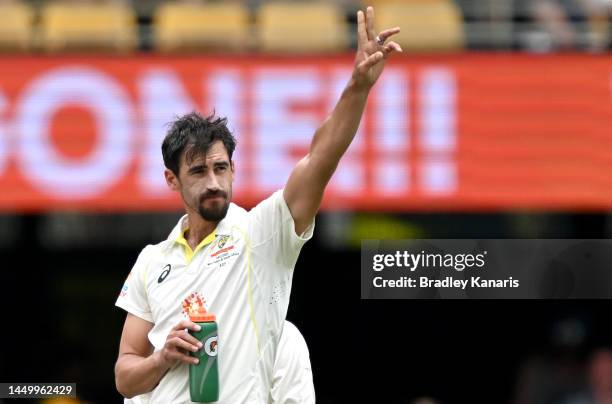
[223, 240]
[221, 248]
[222, 251]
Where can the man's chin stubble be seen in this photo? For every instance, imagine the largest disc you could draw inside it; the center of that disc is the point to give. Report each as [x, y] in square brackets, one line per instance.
[214, 215]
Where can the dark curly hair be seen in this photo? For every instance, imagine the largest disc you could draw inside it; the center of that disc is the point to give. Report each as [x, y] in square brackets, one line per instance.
[195, 134]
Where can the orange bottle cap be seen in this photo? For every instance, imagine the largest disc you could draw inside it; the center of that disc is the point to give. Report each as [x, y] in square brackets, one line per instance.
[202, 317]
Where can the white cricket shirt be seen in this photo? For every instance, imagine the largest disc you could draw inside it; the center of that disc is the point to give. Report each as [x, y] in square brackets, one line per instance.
[242, 272]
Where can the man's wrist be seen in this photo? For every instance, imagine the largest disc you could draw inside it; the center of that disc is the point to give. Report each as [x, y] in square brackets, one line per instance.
[358, 88]
[159, 363]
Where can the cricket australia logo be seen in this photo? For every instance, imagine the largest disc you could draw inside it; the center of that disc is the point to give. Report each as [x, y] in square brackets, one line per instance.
[226, 247]
[222, 241]
[222, 249]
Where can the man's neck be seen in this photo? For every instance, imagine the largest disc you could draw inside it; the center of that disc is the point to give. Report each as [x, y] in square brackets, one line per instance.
[198, 228]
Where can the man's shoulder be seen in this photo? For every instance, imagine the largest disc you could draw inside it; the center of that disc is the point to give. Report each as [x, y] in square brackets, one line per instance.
[236, 215]
[236, 211]
[276, 198]
[151, 250]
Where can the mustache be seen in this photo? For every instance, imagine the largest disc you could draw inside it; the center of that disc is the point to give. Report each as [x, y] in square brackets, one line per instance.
[213, 194]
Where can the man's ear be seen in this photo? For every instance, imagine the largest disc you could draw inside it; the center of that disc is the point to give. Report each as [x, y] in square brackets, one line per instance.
[172, 180]
[232, 169]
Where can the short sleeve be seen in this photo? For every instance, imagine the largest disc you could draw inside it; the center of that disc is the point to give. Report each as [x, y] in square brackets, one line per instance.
[271, 227]
[133, 296]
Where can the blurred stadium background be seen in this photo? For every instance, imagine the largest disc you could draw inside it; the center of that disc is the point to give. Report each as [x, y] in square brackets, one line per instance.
[493, 124]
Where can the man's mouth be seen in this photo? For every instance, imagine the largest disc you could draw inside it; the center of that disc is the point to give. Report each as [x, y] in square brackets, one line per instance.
[218, 197]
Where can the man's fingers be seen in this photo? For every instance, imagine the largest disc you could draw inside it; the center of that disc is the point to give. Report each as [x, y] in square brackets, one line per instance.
[370, 23]
[184, 335]
[176, 349]
[186, 324]
[392, 47]
[191, 339]
[361, 29]
[370, 61]
[180, 343]
[177, 355]
[388, 32]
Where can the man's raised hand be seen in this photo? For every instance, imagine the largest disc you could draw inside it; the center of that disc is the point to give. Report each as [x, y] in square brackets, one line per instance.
[372, 51]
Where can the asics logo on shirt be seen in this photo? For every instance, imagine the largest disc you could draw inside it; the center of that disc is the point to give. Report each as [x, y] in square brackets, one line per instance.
[164, 273]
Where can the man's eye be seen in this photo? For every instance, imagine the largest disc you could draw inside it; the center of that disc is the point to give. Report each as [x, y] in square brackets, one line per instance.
[221, 168]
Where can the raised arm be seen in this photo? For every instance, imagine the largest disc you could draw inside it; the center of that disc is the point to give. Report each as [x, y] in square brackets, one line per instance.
[304, 189]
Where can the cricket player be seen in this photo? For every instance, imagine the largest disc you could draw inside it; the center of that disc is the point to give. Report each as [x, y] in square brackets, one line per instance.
[238, 264]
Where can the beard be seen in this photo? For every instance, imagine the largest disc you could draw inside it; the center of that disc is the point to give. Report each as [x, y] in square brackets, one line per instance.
[215, 213]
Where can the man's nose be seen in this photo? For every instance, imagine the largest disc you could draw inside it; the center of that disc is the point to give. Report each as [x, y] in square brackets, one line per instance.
[212, 183]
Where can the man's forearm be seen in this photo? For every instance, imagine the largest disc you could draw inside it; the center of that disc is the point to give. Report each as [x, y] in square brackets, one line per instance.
[135, 375]
[304, 190]
[335, 135]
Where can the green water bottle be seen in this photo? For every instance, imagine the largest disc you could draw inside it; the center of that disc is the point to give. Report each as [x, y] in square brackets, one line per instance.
[204, 377]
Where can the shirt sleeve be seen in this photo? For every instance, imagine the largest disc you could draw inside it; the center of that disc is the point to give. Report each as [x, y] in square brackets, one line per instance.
[133, 296]
[272, 228]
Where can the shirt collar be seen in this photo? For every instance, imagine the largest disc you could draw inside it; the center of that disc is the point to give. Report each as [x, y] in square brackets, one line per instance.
[223, 227]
